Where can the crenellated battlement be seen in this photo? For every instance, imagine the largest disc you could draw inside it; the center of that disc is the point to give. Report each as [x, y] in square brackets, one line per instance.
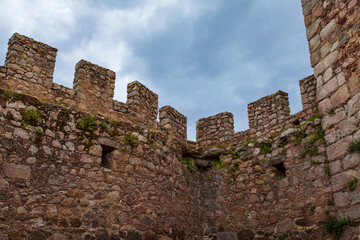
[29, 69]
[65, 174]
[268, 111]
[267, 116]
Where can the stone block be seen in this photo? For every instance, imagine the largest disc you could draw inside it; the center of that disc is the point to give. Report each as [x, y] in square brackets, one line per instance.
[341, 199]
[338, 149]
[354, 105]
[340, 180]
[226, 236]
[17, 171]
[284, 226]
[326, 32]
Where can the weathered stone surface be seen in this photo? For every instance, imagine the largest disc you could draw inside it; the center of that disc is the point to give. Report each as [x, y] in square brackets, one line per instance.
[340, 97]
[245, 234]
[354, 104]
[341, 199]
[284, 226]
[3, 184]
[21, 133]
[338, 149]
[17, 171]
[328, 30]
[226, 236]
[312, 29]
[304, 222]
[340, 180]
[73, 187]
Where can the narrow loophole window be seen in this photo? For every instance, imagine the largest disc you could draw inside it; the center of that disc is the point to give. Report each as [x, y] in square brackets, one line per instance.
[280, 170]
[106, 156]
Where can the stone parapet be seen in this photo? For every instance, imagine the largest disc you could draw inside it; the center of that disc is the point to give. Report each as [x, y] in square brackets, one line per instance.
[30, 60]
[215, 129]
[143, 102]
[94, 87]
[174, 122]
[308, 92]
[268, 111]
[29, 70]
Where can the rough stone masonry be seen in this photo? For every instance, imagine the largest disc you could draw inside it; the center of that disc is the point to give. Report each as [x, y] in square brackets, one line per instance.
[71, 168]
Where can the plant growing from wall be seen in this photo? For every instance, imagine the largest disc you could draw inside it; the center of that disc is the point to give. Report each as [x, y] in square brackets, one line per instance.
[331, 111]
[220, 164]
[312, 208]
[301, 134]
[8, 94]
[313, 151]
[352, 184]
[265, 148]
[188, 161]
[87, 123]
[103, 125]
[31, 116]
[236, 155]
[315, 162]
[331, 202]
[318, 135]
[354, 146]
[337, 226]
[130, 140]
[63, 118]
[281, 177]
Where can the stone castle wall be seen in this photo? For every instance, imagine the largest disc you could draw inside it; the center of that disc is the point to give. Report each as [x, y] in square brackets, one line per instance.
[29, 68]
[268, 116]
[174, 122]
[332, 29]
[120, 174]
[65, 174]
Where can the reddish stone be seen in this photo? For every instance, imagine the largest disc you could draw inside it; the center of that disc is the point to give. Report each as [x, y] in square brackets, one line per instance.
[314, 58]
[3, 184]
[284, 226]
[354, 105]
[140, 209]
[253, 198]
[317, 10]
[75, 222]
[340, 180]
[333, 13]
[354, 85]
[341, 199]
[17, 171]
[319, 68]
[340, 96]
[324, 106]
[327, 88]
[352, 4]
[338, 149]
[312, 29]
[330, 59]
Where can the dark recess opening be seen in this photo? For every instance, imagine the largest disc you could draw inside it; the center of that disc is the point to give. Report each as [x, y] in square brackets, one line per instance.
[280, 169]
[106, 156]
[296, 122]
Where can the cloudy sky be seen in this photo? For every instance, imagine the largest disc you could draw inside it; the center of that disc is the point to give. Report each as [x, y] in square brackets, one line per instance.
[202, 57]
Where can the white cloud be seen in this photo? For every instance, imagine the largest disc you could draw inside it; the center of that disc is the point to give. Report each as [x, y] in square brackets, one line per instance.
[49, 20]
